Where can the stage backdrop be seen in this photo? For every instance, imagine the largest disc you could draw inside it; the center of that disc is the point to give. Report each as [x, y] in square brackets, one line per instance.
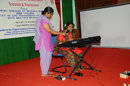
[111, 23]
[17, 17]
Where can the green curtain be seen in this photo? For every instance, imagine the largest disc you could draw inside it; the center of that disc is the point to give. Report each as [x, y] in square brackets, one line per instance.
[17, 49]
[31, 48]
[67, 12]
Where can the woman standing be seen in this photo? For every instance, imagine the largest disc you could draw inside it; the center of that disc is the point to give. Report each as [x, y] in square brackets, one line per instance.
[71, 58]
[42, 39]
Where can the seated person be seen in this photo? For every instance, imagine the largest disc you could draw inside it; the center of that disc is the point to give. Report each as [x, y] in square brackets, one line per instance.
[71, 58]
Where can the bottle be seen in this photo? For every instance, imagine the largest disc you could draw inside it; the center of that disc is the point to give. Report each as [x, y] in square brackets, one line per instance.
[59, 77]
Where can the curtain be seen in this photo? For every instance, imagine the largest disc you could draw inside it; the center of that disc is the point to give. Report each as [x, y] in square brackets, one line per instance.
[59, 10]
[17, 49]
[67, 12]
[31, 48]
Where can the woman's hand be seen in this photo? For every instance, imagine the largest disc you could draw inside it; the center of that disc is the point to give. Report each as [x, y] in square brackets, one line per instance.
[71, 39]
[64, 34]
[60, 42]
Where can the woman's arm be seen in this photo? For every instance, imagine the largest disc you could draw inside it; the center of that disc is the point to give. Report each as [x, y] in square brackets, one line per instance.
[60, 39]
[49, 30]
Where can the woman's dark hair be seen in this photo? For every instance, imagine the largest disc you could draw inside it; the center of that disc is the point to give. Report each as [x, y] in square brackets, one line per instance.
[68, 23]
[48, 10]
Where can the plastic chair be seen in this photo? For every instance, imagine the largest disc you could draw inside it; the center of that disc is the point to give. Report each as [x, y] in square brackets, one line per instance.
[60, 56]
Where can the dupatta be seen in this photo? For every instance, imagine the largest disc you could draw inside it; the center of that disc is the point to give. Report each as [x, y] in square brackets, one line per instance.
[37, 25]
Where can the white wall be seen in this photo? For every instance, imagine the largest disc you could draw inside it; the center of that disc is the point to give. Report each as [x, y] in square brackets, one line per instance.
[111, 23]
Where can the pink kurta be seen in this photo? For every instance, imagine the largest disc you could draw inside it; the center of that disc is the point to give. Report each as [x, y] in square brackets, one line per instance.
[46, 37]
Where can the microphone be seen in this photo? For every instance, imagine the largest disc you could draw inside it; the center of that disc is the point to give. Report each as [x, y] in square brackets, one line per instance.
[67, 31]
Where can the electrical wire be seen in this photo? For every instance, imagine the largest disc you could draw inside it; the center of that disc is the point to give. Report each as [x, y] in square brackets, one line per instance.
[94, 66]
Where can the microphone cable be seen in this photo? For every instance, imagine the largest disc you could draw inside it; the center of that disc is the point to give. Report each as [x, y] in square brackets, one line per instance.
[92, 50]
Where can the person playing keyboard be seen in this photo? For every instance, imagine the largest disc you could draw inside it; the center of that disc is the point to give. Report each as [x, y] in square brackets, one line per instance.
[71, 58]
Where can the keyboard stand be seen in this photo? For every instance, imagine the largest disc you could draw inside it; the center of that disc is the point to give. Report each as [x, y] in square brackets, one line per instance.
[81, 60]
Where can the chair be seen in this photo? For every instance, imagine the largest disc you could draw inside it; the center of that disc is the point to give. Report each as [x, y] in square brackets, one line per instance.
[61, 56]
